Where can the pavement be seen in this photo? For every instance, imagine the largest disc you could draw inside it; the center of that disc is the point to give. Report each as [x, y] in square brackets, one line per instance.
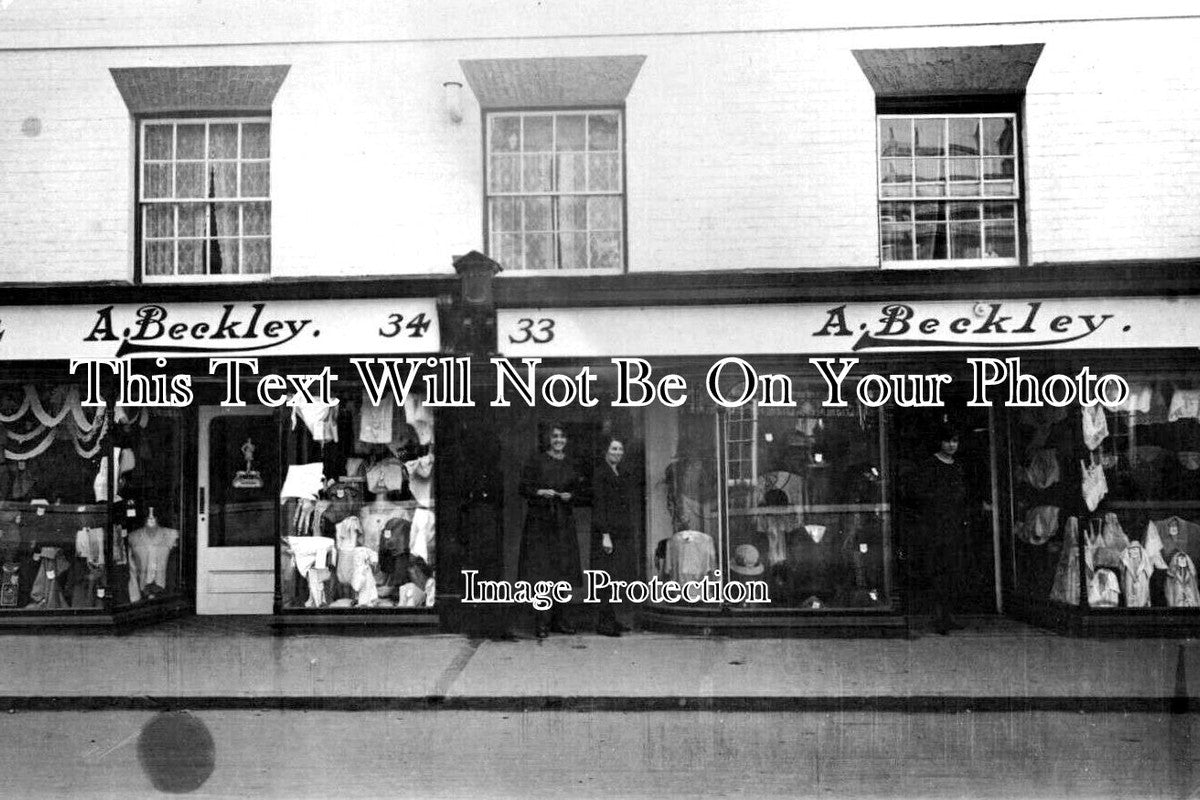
[237, 662]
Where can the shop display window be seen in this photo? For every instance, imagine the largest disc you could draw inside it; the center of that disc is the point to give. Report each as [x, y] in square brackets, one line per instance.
[358, 527]
[1106, 500]
[793, 497]
[67, 473]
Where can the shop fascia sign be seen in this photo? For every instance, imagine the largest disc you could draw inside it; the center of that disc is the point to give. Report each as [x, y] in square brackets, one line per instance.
[203, 330]
[850, 328]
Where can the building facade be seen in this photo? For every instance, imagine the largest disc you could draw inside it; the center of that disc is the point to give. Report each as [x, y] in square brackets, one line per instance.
[300, 185]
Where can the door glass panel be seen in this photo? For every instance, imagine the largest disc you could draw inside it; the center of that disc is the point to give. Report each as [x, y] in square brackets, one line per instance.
[243, 481]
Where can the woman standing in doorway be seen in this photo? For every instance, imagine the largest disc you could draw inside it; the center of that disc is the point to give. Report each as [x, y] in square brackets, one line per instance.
[549, 546]
[942, 492]
[613, 528]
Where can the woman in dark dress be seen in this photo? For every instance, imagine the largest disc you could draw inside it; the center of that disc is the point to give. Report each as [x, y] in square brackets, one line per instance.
[549, 547]
[613, 539]
[942, 492]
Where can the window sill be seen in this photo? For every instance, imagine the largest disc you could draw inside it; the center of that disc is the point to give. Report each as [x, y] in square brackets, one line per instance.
[184, 279]
[542, 273]
[960, 263]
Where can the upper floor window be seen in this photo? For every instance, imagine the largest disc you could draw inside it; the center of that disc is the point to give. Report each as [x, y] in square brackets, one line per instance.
[948, 189]
[555, 190]
[204, 200]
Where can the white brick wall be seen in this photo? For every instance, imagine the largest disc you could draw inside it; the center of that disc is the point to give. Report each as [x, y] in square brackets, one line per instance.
[746, 150]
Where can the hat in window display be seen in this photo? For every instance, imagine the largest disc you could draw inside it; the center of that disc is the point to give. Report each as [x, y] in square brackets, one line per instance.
[746, 560]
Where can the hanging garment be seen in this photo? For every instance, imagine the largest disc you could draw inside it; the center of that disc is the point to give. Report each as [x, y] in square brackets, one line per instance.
[362, 577]
[303, 481]
[1181, 582]
[316, 587]
[410, 596]
[1138, 400]
[46, 591]
[319, 418]
[1111, 543]
[386, 476]
[1042, 472]
[690, 556]
[1165, 537]
[1104, 590]
[375, 422]
[311, 553]
[349, 533]
[1040, 525]
[1136, 568]
[89, 545]
[1185, 404]
[1095, 485]
[1095, 426]
[418, 415]
[1065, 588]
[127, 461]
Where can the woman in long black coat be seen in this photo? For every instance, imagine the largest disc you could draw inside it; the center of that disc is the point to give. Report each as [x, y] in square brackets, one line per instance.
[549, 546]
[613, 536]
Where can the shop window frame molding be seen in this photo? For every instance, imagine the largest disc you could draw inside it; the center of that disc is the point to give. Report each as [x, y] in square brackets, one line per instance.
[531, 88]
[953, 83]
[241, 95]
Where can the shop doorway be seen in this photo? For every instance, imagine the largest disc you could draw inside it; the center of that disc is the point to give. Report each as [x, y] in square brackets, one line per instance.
[237, 510]
[917, 433]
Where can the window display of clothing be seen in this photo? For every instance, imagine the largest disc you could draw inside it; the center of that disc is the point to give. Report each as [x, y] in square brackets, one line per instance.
[375, 422]
[1095, 426]
[1065, 588]
[1165, 537]
[1103, 589]
[387, 475]
[1185, 404]
[151, 547]
[1135, 576]
[362, 577]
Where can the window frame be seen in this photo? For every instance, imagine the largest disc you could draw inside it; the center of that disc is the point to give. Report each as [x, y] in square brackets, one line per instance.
[141, 202]
[1008, 107]
[487, 114]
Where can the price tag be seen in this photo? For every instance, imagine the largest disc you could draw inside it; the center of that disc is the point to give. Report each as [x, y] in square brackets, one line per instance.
[131, 512]
[862, 548]
[51, 574]
[41, 511]
[387, 534]
[100, 591]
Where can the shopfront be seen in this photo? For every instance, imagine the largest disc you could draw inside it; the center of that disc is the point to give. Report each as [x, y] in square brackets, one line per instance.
[163, 455]
[1079, 516]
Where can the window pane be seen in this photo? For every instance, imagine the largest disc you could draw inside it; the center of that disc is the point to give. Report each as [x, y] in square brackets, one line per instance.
[506, 134]
[225, 220]
[964, 240]
[572, 213]
[256, 219]
[256, 255]
[963, 211]
[998, 169]
[160, 142]
[539, 251]
[256, 140]
[506, 214]
[999, 210]
[895, 212]
[223, 257]
[964, 137]
[602, 132]
[604, 213]
[191, 257]
[1000, 239]
[931, 176]
[190, 142]
[931, 241]
[895, 137]
[998, 136]
[605, 251]
[573, 250]
[930, 137]
[159, 221]
[256, 179]
[537, 214]
[160, 257]
[604, 172]
[503, 175]
[929, 211]
[896, 176]
[193, 219]
[222, 141]
[157, 180]
[223, 175]
[539, 133]
[571, 132]
[999, 188]
[572, 172]
[535, 173]
[509, 251]
[897, 243]
[189, 180]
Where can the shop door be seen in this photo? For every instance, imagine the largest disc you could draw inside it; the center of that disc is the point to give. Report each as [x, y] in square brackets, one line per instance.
[237, 510]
